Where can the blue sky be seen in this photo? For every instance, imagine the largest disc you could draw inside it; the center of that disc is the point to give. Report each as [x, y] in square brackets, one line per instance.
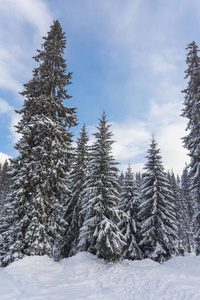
[127, 58]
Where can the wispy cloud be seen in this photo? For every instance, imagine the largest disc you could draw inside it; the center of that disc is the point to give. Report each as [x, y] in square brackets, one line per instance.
[17, 19]
[8, 110]
[133, 138]
[169, 128]
[14, 136]
[34, 12]
[5, 107]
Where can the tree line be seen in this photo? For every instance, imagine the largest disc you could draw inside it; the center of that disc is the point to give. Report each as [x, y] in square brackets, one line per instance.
[59, 200]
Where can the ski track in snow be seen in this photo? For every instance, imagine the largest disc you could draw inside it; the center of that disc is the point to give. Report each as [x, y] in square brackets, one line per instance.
[84, 277]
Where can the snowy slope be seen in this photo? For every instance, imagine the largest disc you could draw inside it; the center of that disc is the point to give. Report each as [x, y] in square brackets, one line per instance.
[84, 277]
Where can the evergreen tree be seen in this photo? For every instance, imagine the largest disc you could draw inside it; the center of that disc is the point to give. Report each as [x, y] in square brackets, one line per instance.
[179, 209]
[100, 234]
[130, 226]
[138, 180]
[187, 209]
[68, 243]
[185, 188]
[5, 177]
[4, 190]
[157, 211]
[40, 173]
[1, 193]
[121, 179]
[191, 141]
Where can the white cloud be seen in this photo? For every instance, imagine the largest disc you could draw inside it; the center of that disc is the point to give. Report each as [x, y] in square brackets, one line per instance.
[35, 12]
[130, 139]
[169, 128]
[15, 118]
[9, 67]
[5, 107]
[164, 114]
[173, 154]
[3, 157]
[133, 138]
[16, 45]
[161, 64]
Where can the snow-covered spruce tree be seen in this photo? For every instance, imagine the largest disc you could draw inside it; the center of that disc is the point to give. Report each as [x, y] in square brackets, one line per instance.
[179, 209]
[121, 179]
[185, 190]
[130, 226]
[191, 141]
[4, 182]
[1, 193]
[157, 210]
[39, 174]
[68, 243]
[187, 209]
[5, 179]
[138, 180]
[100, 234]
[4, 190]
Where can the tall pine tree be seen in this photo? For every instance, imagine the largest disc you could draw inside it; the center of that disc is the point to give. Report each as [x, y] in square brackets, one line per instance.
[157, 210]
[40, 173]
[191, 141]
[100, 234]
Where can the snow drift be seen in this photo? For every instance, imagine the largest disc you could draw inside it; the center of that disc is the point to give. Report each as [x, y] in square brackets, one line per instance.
[84, 277]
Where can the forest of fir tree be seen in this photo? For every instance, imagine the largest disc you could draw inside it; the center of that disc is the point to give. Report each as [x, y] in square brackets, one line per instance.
[57, 199]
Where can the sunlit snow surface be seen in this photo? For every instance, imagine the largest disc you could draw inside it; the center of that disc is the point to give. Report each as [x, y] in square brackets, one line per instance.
[85, 277]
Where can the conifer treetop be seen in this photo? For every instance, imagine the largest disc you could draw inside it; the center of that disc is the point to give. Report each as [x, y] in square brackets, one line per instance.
[46, 91]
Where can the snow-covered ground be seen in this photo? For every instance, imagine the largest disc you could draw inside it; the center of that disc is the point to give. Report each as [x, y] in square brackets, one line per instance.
[84, 277]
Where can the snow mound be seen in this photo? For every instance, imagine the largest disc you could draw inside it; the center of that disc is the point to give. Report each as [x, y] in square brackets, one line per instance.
[84, 277]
